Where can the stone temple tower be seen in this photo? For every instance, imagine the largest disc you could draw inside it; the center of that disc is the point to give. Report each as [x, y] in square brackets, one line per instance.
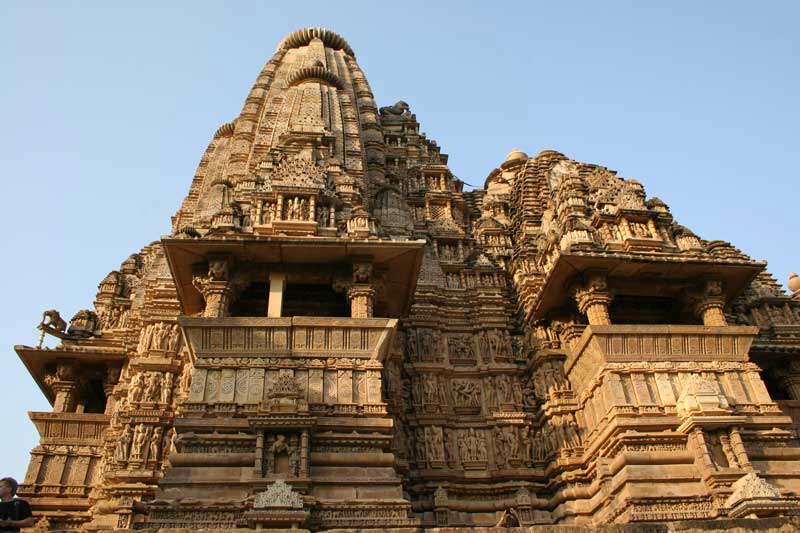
[335, 335]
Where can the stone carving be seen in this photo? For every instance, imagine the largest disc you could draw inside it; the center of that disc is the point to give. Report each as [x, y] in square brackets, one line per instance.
[51, 320]
[467, 393]
[123, 445]
[700, 396]
[750, 486]
[279, 495]
[471, 445]
[84, 324]
[288, 449]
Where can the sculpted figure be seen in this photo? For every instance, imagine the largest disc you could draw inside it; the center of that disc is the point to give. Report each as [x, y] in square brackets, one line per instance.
[123, 445]
[186, 378]
[481, 456]
[137, 388]
[411, 344]
[138, 443]
[500, 449]
[490, 394]
[166, 388]
[166, 445]
[463, 450]
[174, 339]
[162, 333]
[279, 446]
[420, 445]
[52, 320]
[144, 339]
[513, 442]
[526, 443]
[151, 387]
[430, 391]
[434, 439]
[145, 449]
[447, 443]
[155, 444]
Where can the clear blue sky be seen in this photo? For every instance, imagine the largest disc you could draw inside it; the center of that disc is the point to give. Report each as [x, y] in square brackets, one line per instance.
[106, 109]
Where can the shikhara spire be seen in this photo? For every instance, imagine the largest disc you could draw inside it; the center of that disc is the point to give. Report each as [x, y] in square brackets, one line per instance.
[337, 335]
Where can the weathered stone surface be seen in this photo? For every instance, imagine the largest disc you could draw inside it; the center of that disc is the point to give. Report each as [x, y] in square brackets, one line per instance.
[333, 318]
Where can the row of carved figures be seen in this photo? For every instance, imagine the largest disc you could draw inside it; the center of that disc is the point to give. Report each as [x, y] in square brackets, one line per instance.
[151, 387]
[159, 336]
[144, 444]
[472, 280]
[510, 444]
[113, 317]
[430, 389]
[428, 345]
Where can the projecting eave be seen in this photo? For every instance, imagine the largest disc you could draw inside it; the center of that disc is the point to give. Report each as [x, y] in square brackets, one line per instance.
[399, 261]
[646, 269]
[37, 361]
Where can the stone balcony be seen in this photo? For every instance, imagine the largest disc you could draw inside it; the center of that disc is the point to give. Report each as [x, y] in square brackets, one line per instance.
[599, 345]
[355, 338]
[70, 428]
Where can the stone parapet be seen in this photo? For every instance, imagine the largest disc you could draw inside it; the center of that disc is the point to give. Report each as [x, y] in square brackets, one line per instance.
[365, 338]
[636, 343]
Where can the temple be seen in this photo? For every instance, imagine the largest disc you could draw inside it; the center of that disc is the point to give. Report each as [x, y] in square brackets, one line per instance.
[336, 335]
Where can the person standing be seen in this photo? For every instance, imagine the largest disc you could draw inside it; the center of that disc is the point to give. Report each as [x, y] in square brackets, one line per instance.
[14, 513]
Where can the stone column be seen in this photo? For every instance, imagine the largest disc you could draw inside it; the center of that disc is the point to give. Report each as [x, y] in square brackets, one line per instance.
[277, 283]
[217, 295]
[702, 454]
[65, 396]
[593, 298]
[259, 464]
[259, 210]
[215, 286]
[362, 298]
[279, 208]
[304, 446]
[709, 303]
[791, 383]
[312, 206]
[739, 450]
[64, 386]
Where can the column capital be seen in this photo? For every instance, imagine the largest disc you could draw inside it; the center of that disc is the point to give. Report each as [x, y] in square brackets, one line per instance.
[593, 297]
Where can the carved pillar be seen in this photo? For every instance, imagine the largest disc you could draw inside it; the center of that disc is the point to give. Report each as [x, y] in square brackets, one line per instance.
[111, 402]
[259, 210]
[215, 286]
[739, 450]
[64, 386]
[312, 208]
[362, 298]
[279, 208]
[259, 465]
[373, 386]
[709, 303]
[304, 447]
[593, 298]
[217, 295]
[702, 453]
[791, 383]
[65, 396]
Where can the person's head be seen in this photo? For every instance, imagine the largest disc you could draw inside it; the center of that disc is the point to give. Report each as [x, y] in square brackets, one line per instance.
[8, 487]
